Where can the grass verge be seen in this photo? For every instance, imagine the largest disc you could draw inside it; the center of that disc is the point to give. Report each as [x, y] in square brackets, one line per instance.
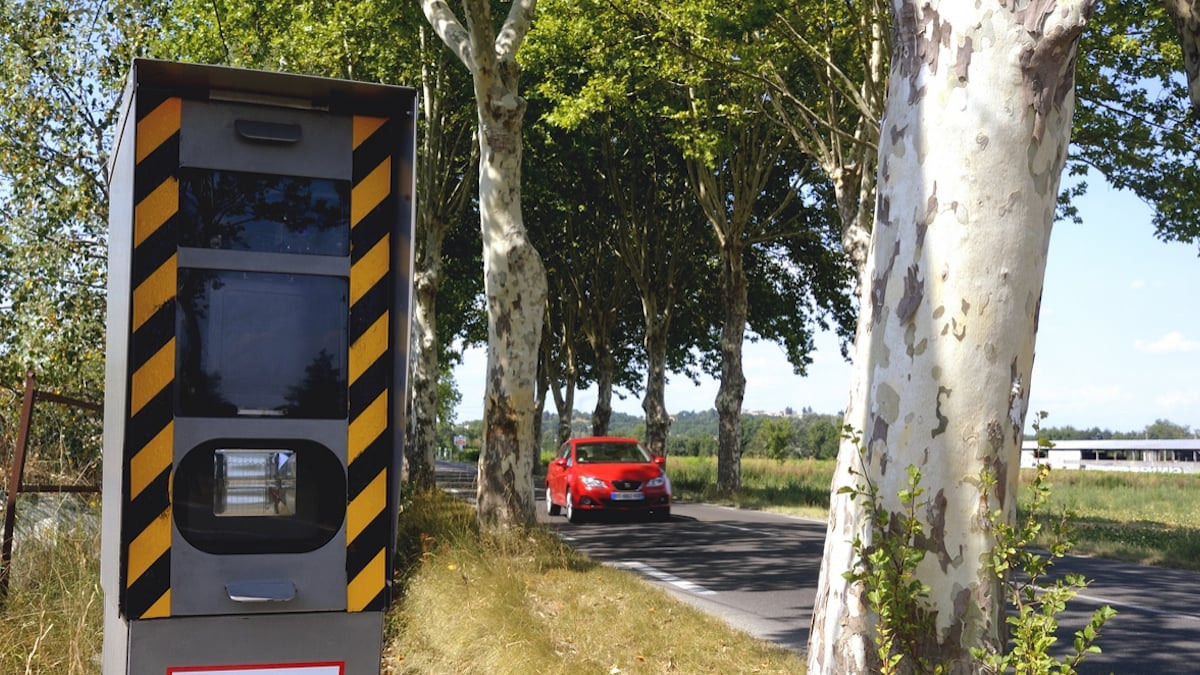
[523, 602]
[797, 487]
[1148, 518]
[52, 620]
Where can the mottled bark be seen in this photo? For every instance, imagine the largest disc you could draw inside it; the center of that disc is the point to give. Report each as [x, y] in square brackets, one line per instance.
[420, 454]
[559, 366]
[1185, 14]
[733, 380]
[444, 181]
[605, 370]
[514, 277]
[515, 289]
[973, 144]
[658, 422]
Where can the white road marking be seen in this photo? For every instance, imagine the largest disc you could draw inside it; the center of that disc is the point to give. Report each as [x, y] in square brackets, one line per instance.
[1135, 607]
[743, 529]
[807, 519]
[647, 570]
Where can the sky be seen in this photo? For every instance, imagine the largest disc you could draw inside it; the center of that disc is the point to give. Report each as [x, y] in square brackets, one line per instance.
[1118, 344]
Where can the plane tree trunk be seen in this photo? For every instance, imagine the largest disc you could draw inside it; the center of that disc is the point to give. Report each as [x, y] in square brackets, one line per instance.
[1185, 14]
[736, 195]
[656, 237]
[732, 391]
[559, 364]
[421, 452]
[973, 143]
[444, 176]
[605, 367]
[658, 421]
[514, 277]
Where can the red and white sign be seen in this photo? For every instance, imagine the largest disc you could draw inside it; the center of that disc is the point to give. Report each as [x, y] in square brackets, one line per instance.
[331, 668]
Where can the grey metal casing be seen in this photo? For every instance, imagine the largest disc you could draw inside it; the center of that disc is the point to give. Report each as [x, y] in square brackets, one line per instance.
[116, 369]
[209, 140]
[206, 626]
[262, 640]
[319, 576]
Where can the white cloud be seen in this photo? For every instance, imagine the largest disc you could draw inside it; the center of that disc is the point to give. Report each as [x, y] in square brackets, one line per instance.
[1100, 394]
[1171, 343]
[1177, 399]
[1138, 284]
[1059, 390]
[1067, 403]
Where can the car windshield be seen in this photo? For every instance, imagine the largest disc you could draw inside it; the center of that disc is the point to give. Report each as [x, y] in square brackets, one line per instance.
[593, 453]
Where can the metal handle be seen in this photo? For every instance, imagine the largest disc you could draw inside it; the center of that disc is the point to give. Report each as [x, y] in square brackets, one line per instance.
[267, 132]
[261, 591]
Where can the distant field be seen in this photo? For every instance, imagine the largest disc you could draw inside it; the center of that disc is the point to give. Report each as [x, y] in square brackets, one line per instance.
[1143, 517]
[795, 486]
[1147, 518]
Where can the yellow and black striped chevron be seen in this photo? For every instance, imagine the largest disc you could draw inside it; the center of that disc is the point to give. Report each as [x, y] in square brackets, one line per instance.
[146, 512]
[370, 364]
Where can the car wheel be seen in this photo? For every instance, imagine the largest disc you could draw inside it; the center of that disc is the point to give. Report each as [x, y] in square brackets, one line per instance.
[573, 514]
[552, 509]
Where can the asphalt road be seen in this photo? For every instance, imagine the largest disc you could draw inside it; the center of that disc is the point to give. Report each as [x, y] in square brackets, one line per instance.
[758, 571]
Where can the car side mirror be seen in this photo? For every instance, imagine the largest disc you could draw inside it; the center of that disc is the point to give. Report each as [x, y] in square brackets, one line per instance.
[560, 462]
[660, 460]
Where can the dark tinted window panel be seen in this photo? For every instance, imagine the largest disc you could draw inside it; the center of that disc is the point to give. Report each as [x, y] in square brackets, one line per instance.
[253, 344]
[264, 213]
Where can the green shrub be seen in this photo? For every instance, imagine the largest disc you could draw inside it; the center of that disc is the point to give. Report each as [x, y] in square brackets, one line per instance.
[887, 566]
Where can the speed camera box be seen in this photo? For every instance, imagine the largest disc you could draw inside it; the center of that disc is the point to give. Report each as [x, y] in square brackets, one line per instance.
[260, 278]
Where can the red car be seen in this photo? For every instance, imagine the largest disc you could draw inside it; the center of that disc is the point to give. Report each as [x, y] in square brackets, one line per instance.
[607, 474]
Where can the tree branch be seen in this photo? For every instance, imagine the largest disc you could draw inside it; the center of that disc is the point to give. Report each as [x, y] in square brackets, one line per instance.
[1185, 14]
[516, 26]
[448, 28]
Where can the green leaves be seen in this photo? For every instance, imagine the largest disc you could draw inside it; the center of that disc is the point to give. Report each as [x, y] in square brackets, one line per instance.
[1036, 601]
[1132, 120]
[776, 436]
[370, 41]
[892, 548]
[63, 65]
[887, 569]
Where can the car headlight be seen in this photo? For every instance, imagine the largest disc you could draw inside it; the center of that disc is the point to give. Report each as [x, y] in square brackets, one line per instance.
[657, 482]
[590, 482]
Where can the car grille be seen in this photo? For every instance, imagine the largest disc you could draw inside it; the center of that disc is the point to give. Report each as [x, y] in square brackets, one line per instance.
[627, 484]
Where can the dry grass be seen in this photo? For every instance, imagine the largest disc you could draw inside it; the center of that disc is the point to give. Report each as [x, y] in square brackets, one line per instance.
[52, 621]
[528, 604]
[524, 603]
[520, 603]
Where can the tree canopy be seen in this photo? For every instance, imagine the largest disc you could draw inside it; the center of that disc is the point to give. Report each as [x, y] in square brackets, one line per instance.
[622, 98]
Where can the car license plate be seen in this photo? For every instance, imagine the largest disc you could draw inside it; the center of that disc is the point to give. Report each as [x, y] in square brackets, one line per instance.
[627, 496]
